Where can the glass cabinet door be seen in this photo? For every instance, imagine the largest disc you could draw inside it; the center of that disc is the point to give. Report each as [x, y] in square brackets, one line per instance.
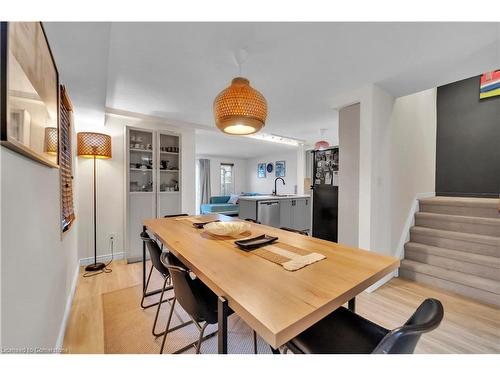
[169, 173]
[141, 161]
[141, 180]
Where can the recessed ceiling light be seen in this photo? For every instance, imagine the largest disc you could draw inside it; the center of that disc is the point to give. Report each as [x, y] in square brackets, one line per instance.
[276, 139]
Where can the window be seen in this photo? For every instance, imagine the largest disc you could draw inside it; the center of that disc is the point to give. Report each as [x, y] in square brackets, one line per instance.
[226, 179]
[65, 160]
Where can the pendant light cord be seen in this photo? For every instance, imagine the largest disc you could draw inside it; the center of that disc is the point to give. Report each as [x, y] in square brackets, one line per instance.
[105, 269]
[240, 56]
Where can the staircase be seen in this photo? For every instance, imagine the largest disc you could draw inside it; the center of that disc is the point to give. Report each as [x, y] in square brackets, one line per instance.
[455, 245]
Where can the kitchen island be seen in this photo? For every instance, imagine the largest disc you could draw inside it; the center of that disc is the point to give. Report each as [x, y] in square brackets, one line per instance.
[291, 211]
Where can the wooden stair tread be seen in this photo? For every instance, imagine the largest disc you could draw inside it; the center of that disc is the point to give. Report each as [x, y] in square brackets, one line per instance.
[455, 245]
[462, 202]
[470, 237]
[477, 282]
[459, 218]
[464, 256]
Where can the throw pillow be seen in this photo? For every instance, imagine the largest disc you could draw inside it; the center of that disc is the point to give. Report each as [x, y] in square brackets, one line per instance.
[233, 199]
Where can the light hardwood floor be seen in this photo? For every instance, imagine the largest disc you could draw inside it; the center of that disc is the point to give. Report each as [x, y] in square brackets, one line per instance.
[468, 326]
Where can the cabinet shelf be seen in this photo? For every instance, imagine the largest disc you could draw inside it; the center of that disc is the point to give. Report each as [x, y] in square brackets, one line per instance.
[140, 150]
[168, 153]
[170, 170]
[141, 170]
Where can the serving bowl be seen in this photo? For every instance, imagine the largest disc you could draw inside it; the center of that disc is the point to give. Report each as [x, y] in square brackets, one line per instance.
[227, 228]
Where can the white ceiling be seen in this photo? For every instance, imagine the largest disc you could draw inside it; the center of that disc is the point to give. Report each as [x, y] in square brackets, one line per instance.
[174, 70]
[209, 142]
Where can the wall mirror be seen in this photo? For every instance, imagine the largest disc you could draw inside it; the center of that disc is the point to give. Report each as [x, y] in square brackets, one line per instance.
[29, 92]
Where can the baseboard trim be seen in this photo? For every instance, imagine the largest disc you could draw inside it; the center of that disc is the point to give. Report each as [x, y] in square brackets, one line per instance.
[69, 301]
[102, 258]
[382, 281]
[410, 221]
[404, 238]
[67, 310]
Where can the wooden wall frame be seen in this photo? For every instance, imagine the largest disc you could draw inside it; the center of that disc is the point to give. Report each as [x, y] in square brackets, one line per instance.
[5, 139]
[66, 160]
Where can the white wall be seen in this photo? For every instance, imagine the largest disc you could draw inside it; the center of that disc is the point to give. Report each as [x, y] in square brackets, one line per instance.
[348, 217]
[266, 185]
[397, 151]
[413, 156]
[38, 262]
[239, 173]
[375, 110]
[382, 106]
[111, 184]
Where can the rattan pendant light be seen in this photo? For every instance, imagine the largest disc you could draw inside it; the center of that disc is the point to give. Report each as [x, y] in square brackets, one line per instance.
[240, 109]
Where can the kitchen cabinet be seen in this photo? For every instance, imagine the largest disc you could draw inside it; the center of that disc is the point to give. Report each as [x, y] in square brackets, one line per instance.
[248, 209]
[286, 213]
[295, 213]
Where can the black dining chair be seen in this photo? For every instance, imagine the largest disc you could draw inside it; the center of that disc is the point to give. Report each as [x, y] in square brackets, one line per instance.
[168, 216]
[175, 215]
[345, 332]
[303, 232]
[199, 302]
[155, 264]
[154, 254]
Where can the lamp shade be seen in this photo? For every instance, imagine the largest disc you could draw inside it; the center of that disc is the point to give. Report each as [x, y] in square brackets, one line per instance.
[94, 144]
[321, 145]
[240, 109]
[50, 141]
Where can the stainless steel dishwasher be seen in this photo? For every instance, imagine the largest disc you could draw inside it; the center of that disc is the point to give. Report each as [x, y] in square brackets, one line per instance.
[268, 213]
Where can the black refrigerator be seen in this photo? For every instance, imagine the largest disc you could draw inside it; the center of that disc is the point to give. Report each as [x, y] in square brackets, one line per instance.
[325, 187]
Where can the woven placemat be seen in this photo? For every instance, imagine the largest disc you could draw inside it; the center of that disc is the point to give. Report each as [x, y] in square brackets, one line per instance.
[190, 219]
[281, 253]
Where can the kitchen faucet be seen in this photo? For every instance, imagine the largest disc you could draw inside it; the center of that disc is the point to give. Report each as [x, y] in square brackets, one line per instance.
[275, 192]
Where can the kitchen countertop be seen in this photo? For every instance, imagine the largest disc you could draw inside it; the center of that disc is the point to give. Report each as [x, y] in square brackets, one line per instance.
[272, 197]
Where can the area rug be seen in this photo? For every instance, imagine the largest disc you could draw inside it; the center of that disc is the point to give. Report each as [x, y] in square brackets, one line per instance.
[127, 328]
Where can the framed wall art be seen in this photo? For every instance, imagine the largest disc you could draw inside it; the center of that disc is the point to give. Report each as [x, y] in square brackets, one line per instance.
[280, 168]
[490, 85]
[29, 92]
[261, 170]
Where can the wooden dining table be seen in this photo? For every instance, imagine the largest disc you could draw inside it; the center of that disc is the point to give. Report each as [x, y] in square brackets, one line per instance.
[276, 303]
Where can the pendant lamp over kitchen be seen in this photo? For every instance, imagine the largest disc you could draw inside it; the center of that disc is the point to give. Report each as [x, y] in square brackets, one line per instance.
[240, 109]
[322, 144]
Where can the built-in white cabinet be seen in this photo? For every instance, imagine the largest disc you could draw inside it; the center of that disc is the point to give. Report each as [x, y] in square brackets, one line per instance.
[295, 213]
[153, 181]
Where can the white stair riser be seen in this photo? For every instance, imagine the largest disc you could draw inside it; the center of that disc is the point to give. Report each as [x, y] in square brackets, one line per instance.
[470, 292]
[457, 226]
[449, 243]
[455, 265]
[460, 210]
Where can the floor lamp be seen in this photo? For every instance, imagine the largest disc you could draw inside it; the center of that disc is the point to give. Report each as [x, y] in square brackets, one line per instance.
[96, 146]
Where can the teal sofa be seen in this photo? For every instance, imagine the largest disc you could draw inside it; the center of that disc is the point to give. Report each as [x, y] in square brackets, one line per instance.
[219, 205]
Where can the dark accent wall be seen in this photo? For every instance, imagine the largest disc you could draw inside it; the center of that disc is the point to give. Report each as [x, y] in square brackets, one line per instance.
[468, 141]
